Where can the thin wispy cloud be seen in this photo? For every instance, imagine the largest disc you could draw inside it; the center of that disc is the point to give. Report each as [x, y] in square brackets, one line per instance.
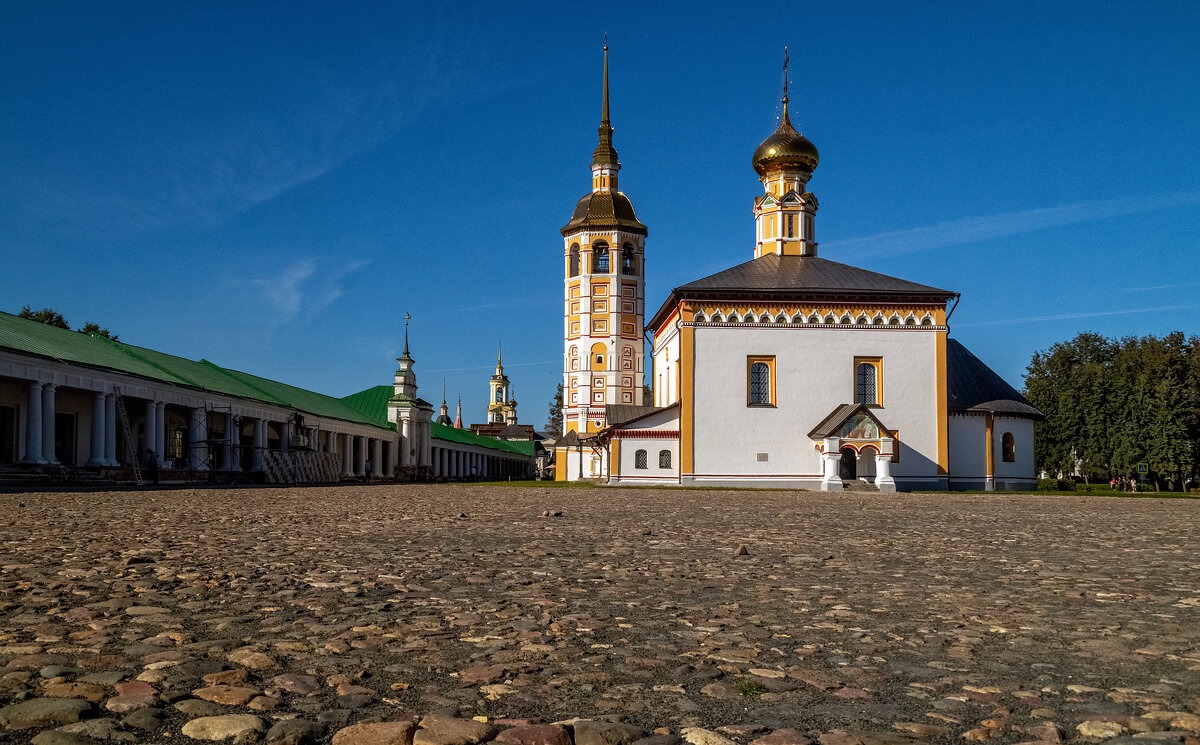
[1070, 316]
[300, 291]
[1162, 287]
[987, 227]
[204, 167]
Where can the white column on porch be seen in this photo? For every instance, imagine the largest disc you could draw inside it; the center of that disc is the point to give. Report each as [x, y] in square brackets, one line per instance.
[48, 454]
[347, 456]
[883, 473]
[832, 456]
[883, 466]
[259, 458]
[33, 424]
[406, 441]
[160, 432]
[97, 458]
[198, 439]
[360, 465]
[148, 431]
[111, 429]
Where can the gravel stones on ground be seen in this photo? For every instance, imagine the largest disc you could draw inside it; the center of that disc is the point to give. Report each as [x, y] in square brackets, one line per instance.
[437, 729]
[42, 712]
[853, 619]
[296, 732]
[536, 734]
[241, 728]
[377, 733]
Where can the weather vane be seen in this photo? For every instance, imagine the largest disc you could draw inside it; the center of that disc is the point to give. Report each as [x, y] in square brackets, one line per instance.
[785, 74]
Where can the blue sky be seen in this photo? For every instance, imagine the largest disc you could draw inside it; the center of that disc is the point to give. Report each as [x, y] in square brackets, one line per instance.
[273, 186]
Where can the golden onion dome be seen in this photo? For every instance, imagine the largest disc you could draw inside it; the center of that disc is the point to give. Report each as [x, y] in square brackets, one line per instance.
[786, 148]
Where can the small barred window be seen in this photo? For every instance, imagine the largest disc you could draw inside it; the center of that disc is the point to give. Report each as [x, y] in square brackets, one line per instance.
[639, 459]
[664, 458]
[865, 384]
[760, 383]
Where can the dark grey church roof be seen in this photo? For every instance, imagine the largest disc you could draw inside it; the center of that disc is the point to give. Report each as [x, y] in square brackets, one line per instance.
[975, 387]
[775, 277]
[772, 272]
[618, 414]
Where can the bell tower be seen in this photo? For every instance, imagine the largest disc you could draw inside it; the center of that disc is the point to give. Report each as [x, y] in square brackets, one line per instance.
[501, 405]
[603, 296]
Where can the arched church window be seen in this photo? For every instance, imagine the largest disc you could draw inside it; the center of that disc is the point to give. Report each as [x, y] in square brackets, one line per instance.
[574, 259]
[627, 260]
[664, 458]
[499, 396]
[760, 383]
[599, 354]
[1010, 447]
[600, 258]
[791, 229]
[864, 388]
[639, 459]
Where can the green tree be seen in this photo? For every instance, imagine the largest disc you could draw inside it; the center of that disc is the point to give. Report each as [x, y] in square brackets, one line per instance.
[47, 316]
[1111, 404]
[647, 395]
[94, 328]
[555, 421]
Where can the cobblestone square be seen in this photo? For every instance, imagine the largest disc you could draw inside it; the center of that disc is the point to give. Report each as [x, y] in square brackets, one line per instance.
[774, 616]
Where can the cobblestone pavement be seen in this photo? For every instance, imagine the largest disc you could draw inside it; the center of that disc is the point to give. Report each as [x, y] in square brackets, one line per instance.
[287, 615]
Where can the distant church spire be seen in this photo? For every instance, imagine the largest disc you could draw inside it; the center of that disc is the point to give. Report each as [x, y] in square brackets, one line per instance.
[458, 423]
[407, 318]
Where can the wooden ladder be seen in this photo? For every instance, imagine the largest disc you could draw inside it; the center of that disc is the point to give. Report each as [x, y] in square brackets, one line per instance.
[129, 445]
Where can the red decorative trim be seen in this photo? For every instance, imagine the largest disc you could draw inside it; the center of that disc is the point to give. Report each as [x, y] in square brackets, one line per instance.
[756, 476]
[648, 434]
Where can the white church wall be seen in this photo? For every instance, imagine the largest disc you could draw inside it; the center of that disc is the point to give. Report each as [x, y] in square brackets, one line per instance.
[666, 354]
[660, 422]
[1018, 474]
[814, 373]
[654, 472]
[968, 451]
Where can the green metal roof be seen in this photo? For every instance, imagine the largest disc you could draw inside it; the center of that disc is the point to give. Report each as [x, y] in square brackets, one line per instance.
[93, 350]
[466, 437]
[372, 402]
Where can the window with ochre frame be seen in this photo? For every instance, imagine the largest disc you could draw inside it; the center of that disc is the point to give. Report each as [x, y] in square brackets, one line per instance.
[760, 380]
[868, 381]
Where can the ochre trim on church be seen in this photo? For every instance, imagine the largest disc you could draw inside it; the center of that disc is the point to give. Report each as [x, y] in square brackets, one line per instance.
[943, 408]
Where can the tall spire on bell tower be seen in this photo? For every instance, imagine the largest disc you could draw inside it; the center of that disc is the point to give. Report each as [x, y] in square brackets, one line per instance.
[605, 154]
